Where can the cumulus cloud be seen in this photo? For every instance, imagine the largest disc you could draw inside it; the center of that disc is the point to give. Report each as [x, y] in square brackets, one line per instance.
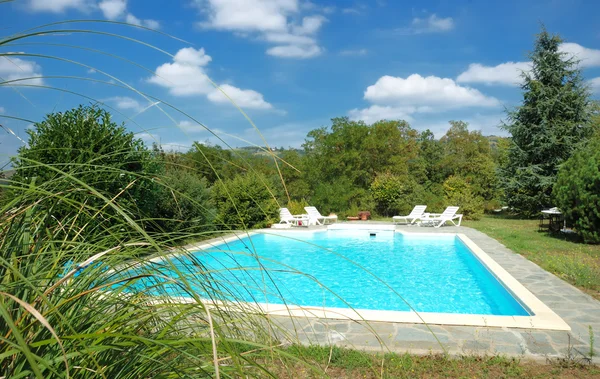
[295, 51]
[131, 19]
[587, 57]
[508, 73]
[377, 112]
[430, 91]
[186, 76]
[113, 9]
[245, 98]
[431, 24]
[267, 20]
[126, 103]
[2, 110]
[12, 68]
[399, 98]
[59, 6]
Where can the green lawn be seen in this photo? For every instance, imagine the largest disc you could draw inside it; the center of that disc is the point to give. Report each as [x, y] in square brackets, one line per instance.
[338, 362]
[577, 263]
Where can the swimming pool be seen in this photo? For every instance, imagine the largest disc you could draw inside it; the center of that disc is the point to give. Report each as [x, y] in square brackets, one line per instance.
[378, 275]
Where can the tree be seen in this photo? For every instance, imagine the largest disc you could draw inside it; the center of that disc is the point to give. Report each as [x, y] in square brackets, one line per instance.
[548, 126]
[577, 191]
[80, 156]
[467, 154]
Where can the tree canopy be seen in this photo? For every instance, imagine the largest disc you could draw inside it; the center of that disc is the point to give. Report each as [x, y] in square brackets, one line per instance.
[548, 126]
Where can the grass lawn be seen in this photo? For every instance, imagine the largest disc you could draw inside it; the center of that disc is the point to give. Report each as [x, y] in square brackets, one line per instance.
[345, 363]
[577, 263]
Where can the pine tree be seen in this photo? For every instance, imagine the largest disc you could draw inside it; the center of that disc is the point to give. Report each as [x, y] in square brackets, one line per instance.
[547, 128]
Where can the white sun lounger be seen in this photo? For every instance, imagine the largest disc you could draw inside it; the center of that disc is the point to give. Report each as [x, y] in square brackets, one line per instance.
[439, 219]
[416, 213]
[286, 217]
[316, 218]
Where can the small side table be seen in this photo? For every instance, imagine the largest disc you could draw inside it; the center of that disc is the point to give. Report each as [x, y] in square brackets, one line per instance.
[556, 221]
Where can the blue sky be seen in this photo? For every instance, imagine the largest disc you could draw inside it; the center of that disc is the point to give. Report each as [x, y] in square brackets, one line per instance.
[291, 65]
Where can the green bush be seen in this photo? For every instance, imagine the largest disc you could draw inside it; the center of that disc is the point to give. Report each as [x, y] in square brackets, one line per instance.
[340, 196]
[88, 159]
[395, 194]
[459, 192]
[184, 204]
[244, 202]
[577, 191]
[297, 207]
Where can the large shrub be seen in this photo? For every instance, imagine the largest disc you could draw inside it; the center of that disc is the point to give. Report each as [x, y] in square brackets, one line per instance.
[244, 202]
[577, 191]
[93, 163]
[395, 194]
[340, 197]
[184, 204]
[459, 192]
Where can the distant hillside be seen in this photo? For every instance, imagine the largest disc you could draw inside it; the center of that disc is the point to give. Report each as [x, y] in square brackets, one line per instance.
[259, 151]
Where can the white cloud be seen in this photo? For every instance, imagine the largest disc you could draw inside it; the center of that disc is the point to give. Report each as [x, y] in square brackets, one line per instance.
[508, 73]
[113, 9]
[377, 112]
[355, 52]
[595, 85]
[2, 110]
[588, 57]
[126, 103]
[269, 20]
[295, 51]
[310, 25]
[12, 68]
[431, 24]
[399, 98]
[244, 98]
[186, 75]
[249, 16]
[431, 91]
[131, 19]
[152, 24]
[191, 56]
[59, 6]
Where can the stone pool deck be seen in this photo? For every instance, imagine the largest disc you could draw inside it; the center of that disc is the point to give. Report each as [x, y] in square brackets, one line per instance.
[579, 310]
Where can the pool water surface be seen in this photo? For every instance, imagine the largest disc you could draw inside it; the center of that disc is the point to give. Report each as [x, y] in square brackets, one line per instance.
[345, 269]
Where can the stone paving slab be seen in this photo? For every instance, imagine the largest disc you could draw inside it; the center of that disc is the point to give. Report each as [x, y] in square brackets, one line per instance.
[577, 309]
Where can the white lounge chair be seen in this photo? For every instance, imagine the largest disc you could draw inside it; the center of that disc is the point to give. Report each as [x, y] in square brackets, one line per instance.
[316, 218]
[416, 213]
[286, 217]
[439, 219]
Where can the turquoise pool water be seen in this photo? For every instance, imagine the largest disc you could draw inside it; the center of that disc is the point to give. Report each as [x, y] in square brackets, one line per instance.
[339, 268]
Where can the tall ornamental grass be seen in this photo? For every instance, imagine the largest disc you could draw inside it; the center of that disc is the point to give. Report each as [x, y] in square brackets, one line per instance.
[71, 303]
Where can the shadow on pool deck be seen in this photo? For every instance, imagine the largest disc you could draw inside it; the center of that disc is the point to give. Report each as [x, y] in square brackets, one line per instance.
[578, 309]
